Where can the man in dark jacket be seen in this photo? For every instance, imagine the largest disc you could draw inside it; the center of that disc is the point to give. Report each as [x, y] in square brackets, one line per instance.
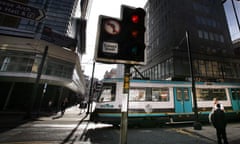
[219, 122]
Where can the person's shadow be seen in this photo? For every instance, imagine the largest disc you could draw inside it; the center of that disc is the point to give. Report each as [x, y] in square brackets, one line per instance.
[57, 117]
[66, 140]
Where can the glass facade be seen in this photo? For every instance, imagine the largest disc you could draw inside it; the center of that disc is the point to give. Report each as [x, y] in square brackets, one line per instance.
[58, 18]
[27, 63]
[210, 42]
[23, 44]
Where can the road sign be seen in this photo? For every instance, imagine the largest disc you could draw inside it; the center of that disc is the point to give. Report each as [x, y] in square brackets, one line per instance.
[121, 40]
[21, 10]
[57, 38]
[108, 39]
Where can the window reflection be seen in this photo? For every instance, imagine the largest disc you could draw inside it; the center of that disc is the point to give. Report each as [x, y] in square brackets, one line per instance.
[236, 94]
[160, 94]
[204, 94]
[137, 94]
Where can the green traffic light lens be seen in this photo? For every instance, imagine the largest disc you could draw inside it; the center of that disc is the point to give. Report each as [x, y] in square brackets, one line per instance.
[134, 50]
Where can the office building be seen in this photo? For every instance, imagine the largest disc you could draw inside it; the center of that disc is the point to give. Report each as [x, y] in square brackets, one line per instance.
[40, 57]
[173, 25]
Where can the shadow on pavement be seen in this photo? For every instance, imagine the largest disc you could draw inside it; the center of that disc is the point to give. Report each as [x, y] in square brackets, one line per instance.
[67, 139]
[11, 120]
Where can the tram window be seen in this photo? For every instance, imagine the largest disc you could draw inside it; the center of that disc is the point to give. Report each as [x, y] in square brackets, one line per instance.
[160, 94]
[182, 94]
[236, 94]
[186, 95]
[107, 94]
[137, 94]
[179, 94]
[209, 94]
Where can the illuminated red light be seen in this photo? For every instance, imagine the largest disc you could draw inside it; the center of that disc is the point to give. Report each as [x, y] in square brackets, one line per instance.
[135, 18]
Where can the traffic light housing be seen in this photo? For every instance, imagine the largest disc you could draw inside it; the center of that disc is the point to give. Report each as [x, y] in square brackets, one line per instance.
[121, 40]
[133, 33]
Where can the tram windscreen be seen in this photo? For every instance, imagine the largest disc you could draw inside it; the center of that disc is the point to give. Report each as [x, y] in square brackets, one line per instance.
[236, 94]
[108, 93]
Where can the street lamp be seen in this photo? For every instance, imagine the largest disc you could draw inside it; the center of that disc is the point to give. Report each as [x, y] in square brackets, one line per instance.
[89, 106]
[196, 125]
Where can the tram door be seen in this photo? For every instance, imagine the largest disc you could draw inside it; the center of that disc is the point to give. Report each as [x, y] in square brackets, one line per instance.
[235, 98]
[183, 101]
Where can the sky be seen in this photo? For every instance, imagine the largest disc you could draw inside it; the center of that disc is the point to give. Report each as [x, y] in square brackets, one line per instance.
[233, 27]
[102, 7]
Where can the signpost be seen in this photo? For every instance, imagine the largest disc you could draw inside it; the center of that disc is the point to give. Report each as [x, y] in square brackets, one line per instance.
[21, 10]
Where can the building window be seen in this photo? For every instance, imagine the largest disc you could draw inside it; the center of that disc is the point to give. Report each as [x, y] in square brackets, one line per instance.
[159, 71]
[5, 63]
[206, 35]
[200, 34]
[221, 38]
[211, 36]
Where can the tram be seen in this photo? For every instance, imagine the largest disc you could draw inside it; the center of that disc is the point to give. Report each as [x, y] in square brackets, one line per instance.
[164, 101]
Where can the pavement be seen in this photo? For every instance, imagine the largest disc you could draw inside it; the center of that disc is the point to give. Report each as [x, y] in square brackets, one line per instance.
[209, 132]
[13, 119]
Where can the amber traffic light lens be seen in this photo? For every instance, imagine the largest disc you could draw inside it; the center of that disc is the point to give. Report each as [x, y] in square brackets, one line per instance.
[134, 33]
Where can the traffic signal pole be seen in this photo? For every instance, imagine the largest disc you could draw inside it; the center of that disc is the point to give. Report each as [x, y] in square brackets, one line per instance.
[124, 110]
[89, 106]
[122, 41]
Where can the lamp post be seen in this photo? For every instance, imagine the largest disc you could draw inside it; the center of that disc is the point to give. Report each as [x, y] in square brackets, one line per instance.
[196, 125]
[89, 108]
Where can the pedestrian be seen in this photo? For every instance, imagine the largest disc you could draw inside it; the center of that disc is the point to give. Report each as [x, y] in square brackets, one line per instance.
[215, 102]
[220, 123]
[50, 106]
[64, 106]
[83, 106]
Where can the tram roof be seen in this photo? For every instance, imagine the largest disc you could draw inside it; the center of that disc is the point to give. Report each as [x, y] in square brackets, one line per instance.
[114, 80]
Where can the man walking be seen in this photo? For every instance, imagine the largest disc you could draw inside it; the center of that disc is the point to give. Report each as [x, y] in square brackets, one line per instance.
[219, 122]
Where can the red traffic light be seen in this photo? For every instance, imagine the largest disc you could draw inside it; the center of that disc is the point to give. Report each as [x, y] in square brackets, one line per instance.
[135, 18]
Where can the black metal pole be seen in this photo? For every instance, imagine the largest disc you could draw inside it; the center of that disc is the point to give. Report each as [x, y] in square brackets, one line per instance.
[90, 89]
[197, 124]
[36, 84]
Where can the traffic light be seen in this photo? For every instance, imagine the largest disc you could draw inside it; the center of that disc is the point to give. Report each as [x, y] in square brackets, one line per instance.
[133, 33]
[121, 40]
